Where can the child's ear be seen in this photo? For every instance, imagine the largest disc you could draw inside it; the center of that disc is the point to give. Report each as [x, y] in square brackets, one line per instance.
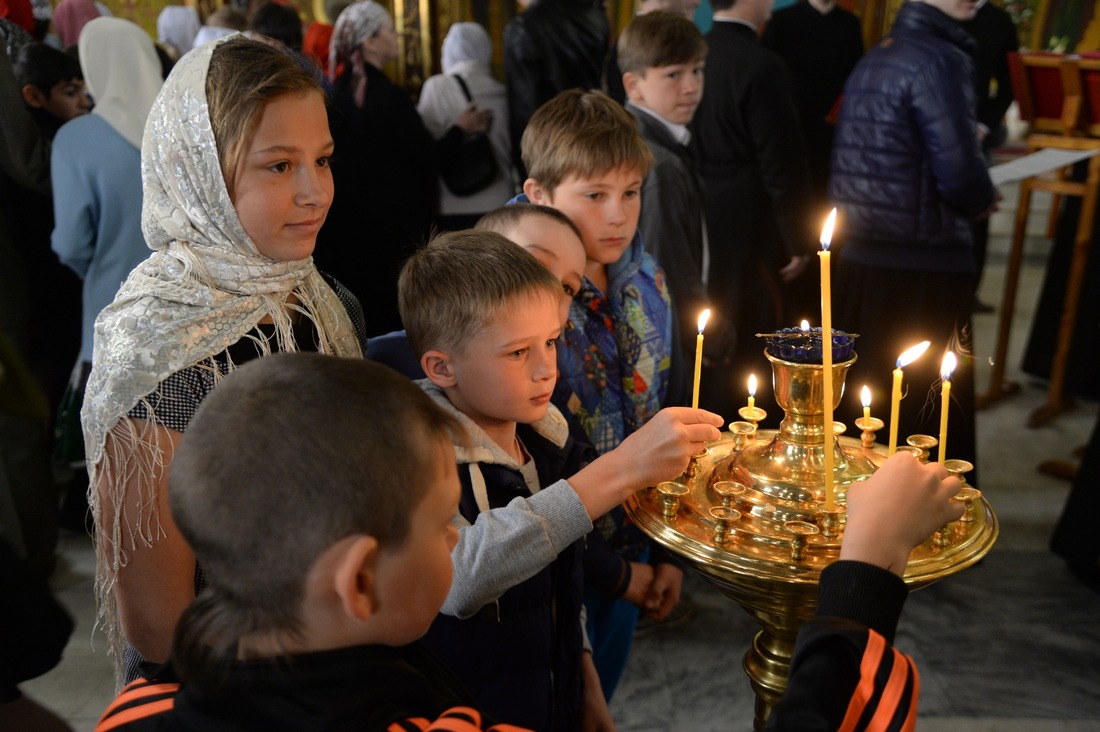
[437, 366]
[630, 85]
[536, 193]
[33, 96]
[354, 578]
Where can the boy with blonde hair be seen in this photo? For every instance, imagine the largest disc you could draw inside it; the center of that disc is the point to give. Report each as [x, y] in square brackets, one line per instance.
[619, 361]
[482, 314]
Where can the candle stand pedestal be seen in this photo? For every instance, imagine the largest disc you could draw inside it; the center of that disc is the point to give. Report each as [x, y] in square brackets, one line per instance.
[751, 518]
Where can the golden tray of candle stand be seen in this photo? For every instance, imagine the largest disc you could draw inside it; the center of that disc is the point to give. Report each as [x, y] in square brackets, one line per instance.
[749, 515]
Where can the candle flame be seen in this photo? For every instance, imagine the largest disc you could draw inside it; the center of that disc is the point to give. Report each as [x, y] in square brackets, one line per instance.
[865, 396]
[703, 318]
[913, 354]
[805, 325]
[752, 385]
[827, 230]
[948, 365]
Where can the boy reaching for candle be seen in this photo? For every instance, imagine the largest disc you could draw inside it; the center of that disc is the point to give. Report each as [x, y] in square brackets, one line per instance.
[315, 638]
[845, 672]
[483, 316]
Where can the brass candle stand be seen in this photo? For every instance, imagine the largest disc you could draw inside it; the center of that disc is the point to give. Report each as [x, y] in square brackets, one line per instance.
[749, 515]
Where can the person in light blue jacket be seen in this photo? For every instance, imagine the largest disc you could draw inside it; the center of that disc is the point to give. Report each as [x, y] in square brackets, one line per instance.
[96, 165]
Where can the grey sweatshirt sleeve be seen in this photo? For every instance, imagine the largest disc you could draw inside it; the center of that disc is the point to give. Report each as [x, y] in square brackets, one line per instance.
[508, 545]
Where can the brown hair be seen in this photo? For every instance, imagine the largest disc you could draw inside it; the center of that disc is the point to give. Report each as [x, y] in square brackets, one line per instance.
[659, 39]
[461, 283]
[290, 454]
[581, 133]
[506, 218]
[243, 78]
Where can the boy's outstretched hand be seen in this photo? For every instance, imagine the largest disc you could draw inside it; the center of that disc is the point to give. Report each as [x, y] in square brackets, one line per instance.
[896, 509]
[662, 448]
[659, 451]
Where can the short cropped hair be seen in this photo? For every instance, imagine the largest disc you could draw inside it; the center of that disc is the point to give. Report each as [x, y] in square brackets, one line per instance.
[461, 283]
[506, 218]
[659, 39]
[722, 4]
[581, 133]
[243, 78]
[287, 456]
[43, 67]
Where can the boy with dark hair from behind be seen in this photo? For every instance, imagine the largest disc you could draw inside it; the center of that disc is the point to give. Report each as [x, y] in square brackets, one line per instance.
[483, 316]
[52, 85]
[322, 561]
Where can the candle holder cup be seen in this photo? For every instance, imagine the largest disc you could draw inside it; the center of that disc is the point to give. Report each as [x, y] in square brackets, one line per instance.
[924, 444]
[868, 426]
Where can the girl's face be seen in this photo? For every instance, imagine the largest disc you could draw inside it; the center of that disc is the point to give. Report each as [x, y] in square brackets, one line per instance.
[283, 183]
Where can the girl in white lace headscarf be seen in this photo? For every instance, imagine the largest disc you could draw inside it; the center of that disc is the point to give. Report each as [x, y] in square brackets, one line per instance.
[208, 288]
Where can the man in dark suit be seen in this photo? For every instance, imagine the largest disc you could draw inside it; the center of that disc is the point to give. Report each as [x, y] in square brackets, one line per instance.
[552, 46]
[820, 43]
[752, 159]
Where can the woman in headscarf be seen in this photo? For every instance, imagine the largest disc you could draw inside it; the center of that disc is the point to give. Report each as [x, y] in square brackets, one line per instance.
[467, 52]
[177, 26]
[96, 171]
[96, 165]
[385, 169]
[70, 17]
[236, 184]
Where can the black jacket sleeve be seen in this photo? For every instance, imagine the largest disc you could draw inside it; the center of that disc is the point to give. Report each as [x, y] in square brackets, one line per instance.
[845, 672]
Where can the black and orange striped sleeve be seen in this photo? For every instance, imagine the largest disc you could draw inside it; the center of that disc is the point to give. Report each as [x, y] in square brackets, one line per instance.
[846, 674]
[455, 719]
[136, 707]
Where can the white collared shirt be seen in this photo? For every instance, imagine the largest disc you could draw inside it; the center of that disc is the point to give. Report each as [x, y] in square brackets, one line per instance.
[717, 19]
[680, 133]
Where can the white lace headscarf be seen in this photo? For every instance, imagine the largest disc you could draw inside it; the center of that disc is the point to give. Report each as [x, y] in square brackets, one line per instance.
[205, 286]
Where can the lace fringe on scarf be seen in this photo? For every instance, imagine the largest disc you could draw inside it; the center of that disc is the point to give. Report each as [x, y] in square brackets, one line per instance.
[131, 456]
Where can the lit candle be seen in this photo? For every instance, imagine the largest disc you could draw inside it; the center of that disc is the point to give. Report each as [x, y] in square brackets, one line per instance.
[895, 396]
[827, 357]
[752, 392]
[946, 368]
[805, 326]
[703, 317]
[865, 397]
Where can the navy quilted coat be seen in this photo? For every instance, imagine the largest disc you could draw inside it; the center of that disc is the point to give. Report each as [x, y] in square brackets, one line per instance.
[907, 171]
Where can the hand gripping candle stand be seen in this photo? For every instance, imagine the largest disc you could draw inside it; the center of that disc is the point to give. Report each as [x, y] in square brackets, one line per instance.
[756, 515]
